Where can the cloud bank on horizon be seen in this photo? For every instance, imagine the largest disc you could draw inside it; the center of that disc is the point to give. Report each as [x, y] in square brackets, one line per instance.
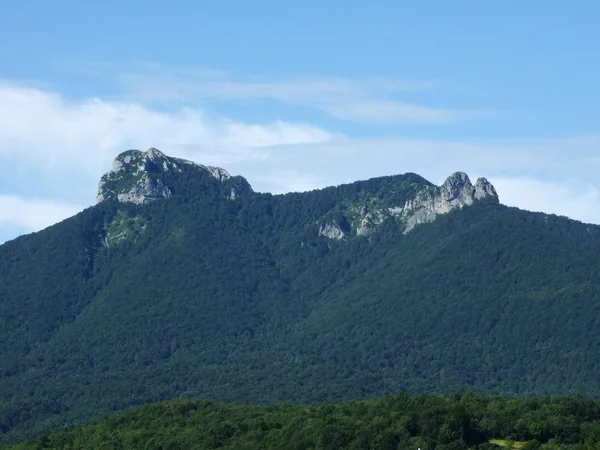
[514, 104]
[57, 150]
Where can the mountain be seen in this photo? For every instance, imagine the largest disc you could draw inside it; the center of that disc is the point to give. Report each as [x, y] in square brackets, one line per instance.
[183, 282]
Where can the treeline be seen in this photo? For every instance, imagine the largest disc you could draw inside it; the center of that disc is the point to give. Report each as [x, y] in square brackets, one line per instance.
[402, 421]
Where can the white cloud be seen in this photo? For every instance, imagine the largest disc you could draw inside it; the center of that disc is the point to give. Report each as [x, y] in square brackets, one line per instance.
[551, 176]
[32, 214]
[362, 100]
[61, 148]
[42, 130]
[391, 111]
[152, 83]
[580, 201]
[289, 180]
[57, 149]
[343, 159]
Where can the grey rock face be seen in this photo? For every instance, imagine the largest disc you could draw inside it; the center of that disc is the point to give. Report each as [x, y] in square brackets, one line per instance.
[368, 223]
[138, 177]
[218, 173]
[146, 190]
[120, 163]
[331, 230]
[428, 203]
[483, 189]
[456, 192]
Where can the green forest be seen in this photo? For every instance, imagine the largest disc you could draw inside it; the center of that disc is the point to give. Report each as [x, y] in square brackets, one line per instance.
[401, 421]
[204, 296]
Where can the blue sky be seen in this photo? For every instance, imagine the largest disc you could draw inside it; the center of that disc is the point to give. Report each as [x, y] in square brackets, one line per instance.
[299, 96]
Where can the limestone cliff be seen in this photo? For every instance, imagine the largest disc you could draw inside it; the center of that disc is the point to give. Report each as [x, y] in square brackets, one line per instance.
[426, 204]
[143, 177]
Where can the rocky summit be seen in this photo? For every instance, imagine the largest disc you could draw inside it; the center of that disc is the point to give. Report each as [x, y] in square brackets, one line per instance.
[143, 177]
[426, 203]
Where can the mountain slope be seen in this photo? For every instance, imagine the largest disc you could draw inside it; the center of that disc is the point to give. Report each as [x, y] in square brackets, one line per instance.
[182, 281]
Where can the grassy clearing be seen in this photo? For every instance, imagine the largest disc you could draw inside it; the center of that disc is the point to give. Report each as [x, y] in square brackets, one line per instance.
[503, 443]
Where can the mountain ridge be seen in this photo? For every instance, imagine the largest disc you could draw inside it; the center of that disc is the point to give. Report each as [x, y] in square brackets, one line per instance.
[200, 295]
[143, 177]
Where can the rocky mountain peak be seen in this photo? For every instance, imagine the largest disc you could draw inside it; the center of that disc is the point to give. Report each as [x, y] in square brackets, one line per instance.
[455, 193]
[458, 189]
[455, 185]
[483, 188]
[143, 177]
[425, 205]
[154, 154]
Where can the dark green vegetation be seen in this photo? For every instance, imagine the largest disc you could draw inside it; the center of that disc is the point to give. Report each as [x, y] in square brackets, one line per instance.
[201, 296]
[396, 422]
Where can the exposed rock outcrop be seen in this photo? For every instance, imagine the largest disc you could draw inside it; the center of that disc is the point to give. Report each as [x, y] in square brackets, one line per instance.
[369, 221]
[456, 192]
[332, 230]
[428, 203]
[141, 177]
[483, 189]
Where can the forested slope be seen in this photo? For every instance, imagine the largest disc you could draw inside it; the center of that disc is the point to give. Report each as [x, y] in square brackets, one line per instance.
[244, 298]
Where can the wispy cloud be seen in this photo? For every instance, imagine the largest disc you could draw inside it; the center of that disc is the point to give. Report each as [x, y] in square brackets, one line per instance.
[57, 149]
[39, 128]
[554, 176]
[387, 111]
[371, 100]
[52, 147]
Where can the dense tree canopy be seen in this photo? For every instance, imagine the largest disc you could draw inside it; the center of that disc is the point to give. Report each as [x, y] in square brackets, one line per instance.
[200, 296]
[397, 422]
